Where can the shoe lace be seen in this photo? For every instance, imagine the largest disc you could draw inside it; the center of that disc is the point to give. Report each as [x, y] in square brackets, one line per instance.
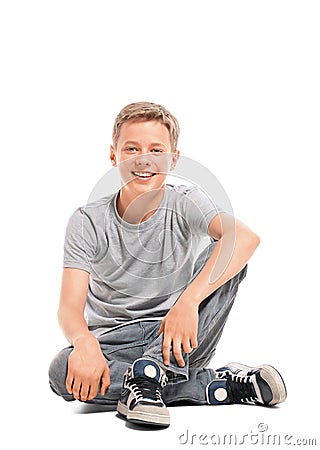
[240, 389]
[145, 388]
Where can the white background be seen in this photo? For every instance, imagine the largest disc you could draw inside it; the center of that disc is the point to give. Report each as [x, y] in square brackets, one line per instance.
[243, 79]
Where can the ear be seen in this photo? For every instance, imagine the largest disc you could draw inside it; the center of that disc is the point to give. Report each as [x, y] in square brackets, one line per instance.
[113, 158]
[175, 157]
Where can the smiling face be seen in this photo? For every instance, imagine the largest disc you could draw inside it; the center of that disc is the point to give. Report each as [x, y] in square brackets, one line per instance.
[144, 155]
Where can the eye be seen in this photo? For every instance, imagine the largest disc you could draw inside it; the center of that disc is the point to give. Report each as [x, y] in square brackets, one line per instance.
[130, 149]
[156, 150]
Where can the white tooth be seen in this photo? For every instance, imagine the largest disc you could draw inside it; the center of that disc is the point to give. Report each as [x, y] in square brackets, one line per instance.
[143, 174]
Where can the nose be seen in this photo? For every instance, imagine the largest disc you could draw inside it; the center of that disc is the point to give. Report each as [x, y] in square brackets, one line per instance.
[143, 160]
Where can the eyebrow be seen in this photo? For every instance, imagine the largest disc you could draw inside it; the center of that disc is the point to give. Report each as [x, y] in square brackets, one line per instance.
[154, 144]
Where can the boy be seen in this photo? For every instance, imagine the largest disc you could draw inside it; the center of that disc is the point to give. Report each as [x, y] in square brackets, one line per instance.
[154, 309]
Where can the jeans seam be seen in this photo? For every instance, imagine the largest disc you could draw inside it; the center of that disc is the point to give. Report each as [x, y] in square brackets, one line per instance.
[143, 340]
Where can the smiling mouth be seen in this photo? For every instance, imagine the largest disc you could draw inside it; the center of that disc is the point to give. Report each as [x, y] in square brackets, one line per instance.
[144, 175]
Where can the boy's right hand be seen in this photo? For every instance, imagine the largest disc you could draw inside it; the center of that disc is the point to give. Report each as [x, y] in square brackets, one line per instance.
[87, 369]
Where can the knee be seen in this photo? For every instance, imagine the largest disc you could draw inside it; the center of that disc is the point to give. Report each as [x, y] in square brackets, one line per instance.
[58, 372]
[59, 365]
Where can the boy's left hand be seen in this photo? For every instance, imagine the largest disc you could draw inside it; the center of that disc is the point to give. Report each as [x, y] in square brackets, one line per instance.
[180, 329]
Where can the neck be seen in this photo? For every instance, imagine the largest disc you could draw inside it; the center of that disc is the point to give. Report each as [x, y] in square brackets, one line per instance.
[138, 207]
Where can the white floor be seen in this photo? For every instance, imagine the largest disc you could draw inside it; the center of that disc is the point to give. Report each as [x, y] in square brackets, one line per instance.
[53, 424]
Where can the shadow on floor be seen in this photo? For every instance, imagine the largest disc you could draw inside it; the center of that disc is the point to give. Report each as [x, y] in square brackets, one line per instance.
[86, 408]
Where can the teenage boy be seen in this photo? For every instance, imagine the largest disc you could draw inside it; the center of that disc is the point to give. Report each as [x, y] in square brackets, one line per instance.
[142, 310]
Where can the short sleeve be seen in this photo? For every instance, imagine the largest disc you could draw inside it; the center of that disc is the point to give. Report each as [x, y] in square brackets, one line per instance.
[200, 210]
[80, 241]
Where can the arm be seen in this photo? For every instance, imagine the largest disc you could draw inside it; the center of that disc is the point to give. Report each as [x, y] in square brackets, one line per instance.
[236, 245]
[87, 367]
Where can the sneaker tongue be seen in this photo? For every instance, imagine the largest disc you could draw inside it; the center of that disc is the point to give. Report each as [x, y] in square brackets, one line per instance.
[147, 369]
[241, 389]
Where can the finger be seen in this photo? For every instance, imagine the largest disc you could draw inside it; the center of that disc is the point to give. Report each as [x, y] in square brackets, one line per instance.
[93, 390]
[194, 341]
[166, 347]
[187, 346]
[69, 383]
[105, 381]
[84, 391]
[92, 393]
[76, 389]
[161, 328]
[177, 353]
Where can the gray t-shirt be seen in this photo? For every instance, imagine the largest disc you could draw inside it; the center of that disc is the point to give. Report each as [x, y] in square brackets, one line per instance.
[137, 271]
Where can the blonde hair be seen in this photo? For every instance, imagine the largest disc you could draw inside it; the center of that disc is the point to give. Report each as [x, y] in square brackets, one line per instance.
[147, 111]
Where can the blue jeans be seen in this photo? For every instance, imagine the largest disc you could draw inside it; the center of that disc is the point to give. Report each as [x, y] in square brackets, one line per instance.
[136, 340]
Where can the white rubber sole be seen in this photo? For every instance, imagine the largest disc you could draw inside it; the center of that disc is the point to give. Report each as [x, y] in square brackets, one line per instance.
[122, 409]
[141, 416]
[271, 376]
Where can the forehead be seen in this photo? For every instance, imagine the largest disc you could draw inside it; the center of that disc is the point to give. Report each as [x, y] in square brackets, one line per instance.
[144, 131]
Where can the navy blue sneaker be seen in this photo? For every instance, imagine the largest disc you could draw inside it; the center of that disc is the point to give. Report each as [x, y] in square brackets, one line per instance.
[237, 383]
[141, 400]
